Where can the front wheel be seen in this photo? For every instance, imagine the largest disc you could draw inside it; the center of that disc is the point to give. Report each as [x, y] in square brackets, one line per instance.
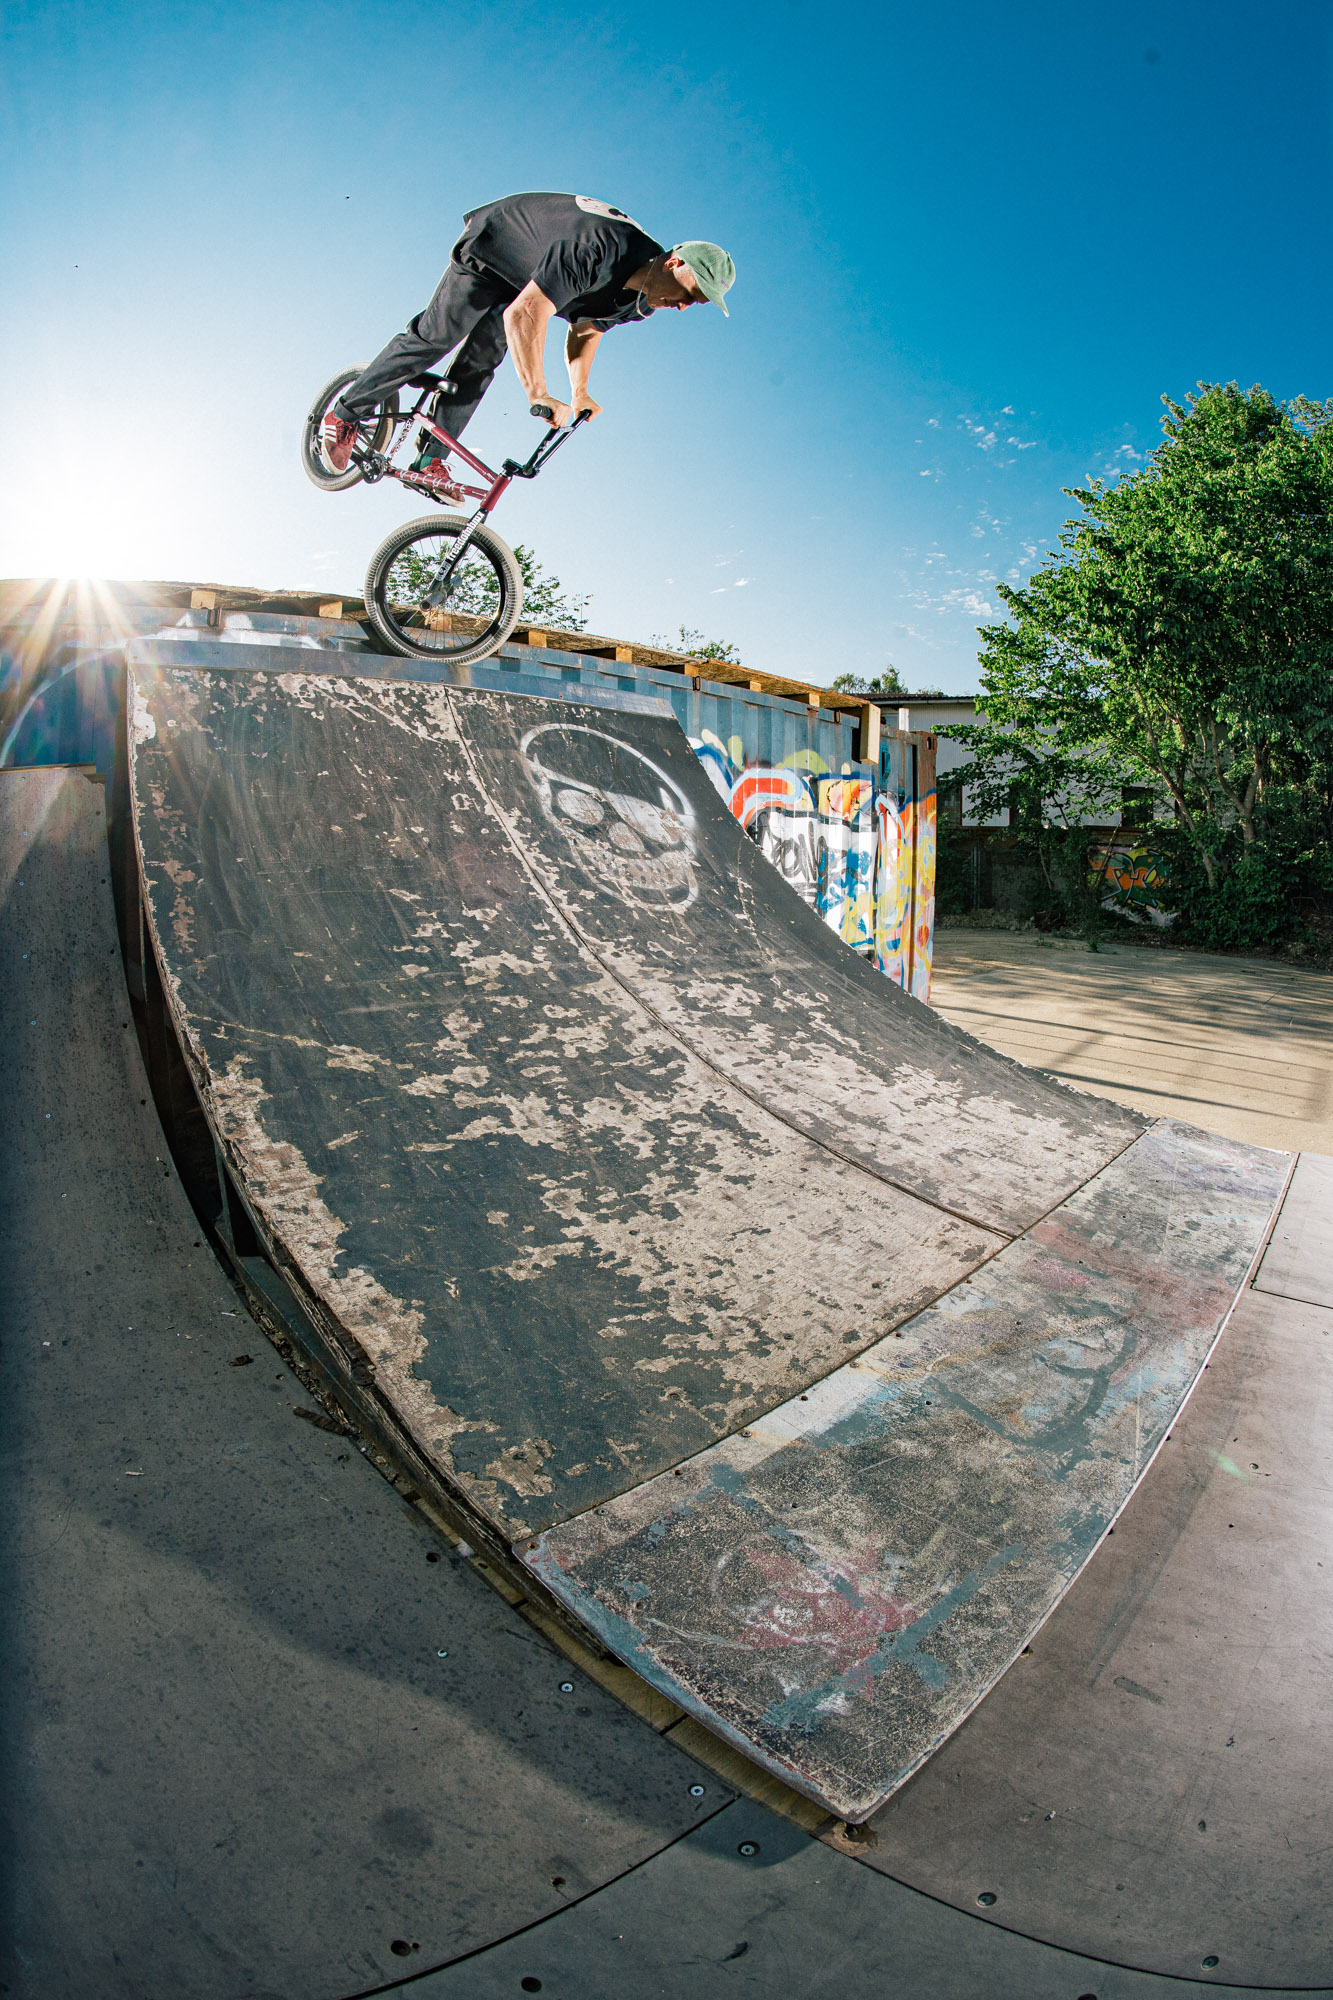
[373, 436]
[469, 618]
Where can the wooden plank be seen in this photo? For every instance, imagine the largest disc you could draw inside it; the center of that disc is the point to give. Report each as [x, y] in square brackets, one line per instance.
[833, 1589]
[1298, 1263]
[868, 744]
[724, 673]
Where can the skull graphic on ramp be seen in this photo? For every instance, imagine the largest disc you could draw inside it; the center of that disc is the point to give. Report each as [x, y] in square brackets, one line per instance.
[627, 823]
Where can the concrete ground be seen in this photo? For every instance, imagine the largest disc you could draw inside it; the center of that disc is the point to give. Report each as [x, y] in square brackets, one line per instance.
[1240, 1046]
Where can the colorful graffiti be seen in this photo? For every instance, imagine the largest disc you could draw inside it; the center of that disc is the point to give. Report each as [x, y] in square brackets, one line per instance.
[1133, 881]
[857, 848]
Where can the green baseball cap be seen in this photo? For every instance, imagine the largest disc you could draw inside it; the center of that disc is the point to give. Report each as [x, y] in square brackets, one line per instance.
[713, 270]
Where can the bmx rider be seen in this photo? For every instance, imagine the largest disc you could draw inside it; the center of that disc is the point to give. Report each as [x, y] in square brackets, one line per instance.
[520, 263]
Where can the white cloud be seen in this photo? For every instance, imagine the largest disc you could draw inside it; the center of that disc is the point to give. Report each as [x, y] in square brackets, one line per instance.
[983, 439]
[966, 600]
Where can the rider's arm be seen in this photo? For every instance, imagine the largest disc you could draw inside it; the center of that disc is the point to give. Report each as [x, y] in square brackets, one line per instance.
[581, 343]
[526, 319]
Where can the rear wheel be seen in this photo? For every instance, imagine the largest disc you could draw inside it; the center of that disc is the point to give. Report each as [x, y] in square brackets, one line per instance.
[467, 621]
[372, 436]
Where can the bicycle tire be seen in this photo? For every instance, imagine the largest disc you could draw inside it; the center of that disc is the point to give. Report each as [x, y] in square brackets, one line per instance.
[402, 624]
[312, 458]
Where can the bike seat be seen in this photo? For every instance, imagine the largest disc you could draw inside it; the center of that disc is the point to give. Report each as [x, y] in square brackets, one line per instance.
[425, 381]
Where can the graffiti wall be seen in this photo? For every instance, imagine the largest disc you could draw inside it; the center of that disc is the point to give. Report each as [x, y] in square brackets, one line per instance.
[1133, 881]
[858, 844]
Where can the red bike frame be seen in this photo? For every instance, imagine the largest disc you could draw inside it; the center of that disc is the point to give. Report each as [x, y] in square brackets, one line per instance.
[378, 465]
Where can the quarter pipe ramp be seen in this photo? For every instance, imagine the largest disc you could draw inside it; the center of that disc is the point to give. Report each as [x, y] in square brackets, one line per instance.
[801, 1347]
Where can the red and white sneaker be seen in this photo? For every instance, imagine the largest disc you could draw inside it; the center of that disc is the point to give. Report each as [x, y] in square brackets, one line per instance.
[336, 438]
[434, 479]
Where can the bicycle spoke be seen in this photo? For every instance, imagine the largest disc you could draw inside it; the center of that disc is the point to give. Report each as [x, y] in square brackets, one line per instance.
[467, 611]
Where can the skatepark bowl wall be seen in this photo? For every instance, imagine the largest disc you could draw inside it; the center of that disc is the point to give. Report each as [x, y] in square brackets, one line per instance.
[787, 1354]
[848, 822]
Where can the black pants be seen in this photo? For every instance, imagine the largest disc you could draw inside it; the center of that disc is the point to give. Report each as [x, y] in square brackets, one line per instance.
[466, 313]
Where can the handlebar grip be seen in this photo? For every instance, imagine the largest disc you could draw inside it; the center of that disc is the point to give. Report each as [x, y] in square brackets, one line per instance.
[542, 410]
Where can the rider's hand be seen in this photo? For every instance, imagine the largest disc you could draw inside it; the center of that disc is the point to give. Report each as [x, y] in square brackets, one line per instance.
[584, 405]
[560, 412]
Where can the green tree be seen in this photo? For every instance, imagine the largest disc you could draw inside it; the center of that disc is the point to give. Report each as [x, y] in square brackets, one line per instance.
[888, 682]
[545, 599]
[475, 594]
[693, 643]
[1181, 638]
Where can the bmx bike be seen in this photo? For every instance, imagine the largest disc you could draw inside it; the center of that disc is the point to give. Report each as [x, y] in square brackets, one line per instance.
[447, 587]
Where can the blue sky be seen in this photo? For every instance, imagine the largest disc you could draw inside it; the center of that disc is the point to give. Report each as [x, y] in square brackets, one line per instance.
[975, 245]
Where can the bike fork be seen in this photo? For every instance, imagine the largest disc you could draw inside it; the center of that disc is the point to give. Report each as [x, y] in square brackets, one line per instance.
[444, 575]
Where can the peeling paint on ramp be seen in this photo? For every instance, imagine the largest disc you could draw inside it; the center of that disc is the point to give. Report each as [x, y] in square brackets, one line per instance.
[673, 1259]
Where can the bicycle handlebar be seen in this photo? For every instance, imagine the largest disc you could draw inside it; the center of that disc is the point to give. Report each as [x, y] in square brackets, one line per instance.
[546, 412]
[554, 438]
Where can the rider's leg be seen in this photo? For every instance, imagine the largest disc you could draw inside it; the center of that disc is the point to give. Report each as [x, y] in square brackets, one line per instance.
[466, 380]
[462, 299]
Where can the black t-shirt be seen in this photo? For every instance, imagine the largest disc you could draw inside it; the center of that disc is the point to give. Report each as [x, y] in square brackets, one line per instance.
[578, 250]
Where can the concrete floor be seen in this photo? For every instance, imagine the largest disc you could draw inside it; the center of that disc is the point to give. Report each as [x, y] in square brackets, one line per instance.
[1240, 1046]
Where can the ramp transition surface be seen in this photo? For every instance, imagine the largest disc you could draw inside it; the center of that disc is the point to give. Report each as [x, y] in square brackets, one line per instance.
[804, 1348]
